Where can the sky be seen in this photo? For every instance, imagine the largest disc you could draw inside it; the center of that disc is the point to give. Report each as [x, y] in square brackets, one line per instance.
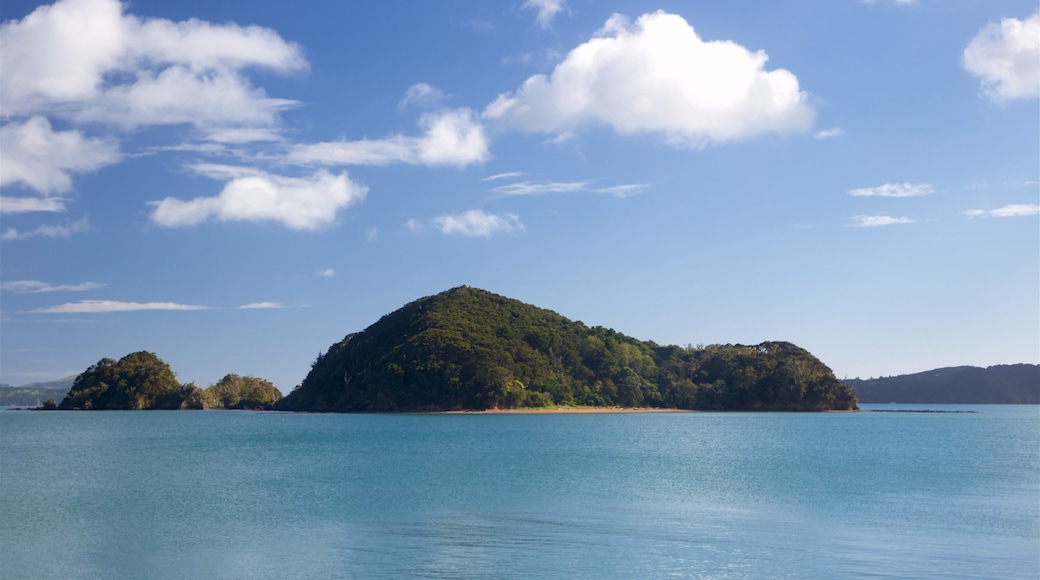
[235, 186]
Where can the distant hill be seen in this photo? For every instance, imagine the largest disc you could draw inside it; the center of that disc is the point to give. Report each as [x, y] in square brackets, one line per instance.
[469, 349]
[1000, 384]
[35, 393]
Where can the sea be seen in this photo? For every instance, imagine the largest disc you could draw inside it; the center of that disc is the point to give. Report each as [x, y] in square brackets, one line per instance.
[233, 494]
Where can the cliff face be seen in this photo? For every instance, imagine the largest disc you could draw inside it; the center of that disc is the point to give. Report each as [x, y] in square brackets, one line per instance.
[470, 349]
[999, 384]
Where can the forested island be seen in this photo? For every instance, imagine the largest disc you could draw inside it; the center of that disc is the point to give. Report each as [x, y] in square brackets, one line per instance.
[469, 349]
[998, 384]
[141, 381]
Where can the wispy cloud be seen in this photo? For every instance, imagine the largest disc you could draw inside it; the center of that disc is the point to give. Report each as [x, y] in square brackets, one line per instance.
[474, 223]
[262, 306]
[542, 188]
[1013, 210]
[477, 223]
[894, 190]
[547, 9]
[327, 273]
[372, 234]
[875, 221]
[449, 138]
[422, 95]
[10, 205]
[105, 306]
[829, 133]
[507, 175]
[36, 287]
[45, 231]
[903, 2]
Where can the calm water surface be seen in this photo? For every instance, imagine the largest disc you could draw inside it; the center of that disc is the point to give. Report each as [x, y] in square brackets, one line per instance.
[218, 494]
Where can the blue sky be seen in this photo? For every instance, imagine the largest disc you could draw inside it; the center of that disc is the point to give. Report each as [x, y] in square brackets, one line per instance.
[237, 185]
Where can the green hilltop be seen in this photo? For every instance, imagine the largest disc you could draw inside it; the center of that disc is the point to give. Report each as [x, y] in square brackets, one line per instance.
[469, 349]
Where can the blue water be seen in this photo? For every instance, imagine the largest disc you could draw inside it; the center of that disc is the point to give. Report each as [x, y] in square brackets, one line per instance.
[218, 494]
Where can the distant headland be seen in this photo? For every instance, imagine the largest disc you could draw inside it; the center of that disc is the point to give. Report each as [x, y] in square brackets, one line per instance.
[998, 384]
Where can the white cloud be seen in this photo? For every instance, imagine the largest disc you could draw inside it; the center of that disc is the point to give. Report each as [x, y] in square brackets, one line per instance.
[237, 136]
[547, 9]
[327, 273]
[533, 188]
[507, 175]
[86, 59]
[829, 133]
[658, 76]
[31, 204]
[413, 225]
[372, 234]
[477, 223]
[422, 95]
[874, 221]
[894, 190]
[36, 287]
[261, 306]
[46, 231]
[1006, 57]
[1013, 210]
[33, 154]
[104, 306]
[302, 203]
[450, 138]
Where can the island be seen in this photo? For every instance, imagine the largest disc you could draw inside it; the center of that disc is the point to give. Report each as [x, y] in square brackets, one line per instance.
[470, 349]
[143, 381]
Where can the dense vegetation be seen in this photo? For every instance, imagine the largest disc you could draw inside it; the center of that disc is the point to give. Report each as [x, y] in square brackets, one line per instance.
[141, 380]
[467, 349]
[1000, 384]
[235, 392]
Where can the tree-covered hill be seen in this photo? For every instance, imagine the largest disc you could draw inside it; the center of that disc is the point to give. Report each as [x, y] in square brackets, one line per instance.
[139, 380]
[142, 380]
[469, 349]
[999, 384]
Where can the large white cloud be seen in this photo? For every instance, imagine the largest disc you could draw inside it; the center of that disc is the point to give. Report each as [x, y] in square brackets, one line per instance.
[1006, 56]
[302, 203]
[37, 156]
[452, 137]
[658, 76]
[86, 59]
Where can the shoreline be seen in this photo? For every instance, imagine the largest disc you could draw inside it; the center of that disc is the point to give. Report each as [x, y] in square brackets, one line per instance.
[567, 410]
